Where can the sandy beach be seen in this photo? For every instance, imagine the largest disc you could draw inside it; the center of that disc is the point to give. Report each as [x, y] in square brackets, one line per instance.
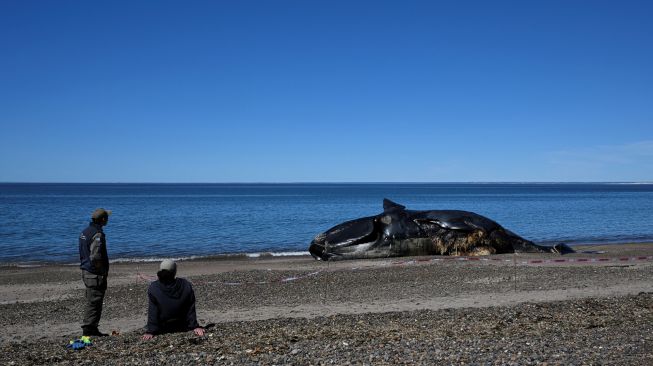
[591, 307]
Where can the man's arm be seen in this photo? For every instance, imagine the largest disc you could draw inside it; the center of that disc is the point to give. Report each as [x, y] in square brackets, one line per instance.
[191, 316]
[152, 326]
[97, 250]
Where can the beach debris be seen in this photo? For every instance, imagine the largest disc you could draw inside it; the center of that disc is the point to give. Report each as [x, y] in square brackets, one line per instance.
[79, 343]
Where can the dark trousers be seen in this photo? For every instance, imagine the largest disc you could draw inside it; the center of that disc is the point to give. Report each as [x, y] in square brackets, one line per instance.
[96, 286]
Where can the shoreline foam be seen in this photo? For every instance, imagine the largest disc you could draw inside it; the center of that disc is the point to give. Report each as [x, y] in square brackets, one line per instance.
[265, 254]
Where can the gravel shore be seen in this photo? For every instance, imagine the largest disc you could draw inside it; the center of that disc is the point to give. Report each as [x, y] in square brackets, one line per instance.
[607, 331]
[298, 311]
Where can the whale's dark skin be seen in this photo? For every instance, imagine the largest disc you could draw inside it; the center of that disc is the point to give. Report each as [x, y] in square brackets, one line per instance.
[400, 232]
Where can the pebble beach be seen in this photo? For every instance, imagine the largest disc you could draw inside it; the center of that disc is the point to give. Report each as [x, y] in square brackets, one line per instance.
[591, 307]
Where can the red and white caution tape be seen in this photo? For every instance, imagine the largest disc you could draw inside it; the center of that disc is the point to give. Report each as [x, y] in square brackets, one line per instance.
[146, 278]
[281, 280]
[530, 261]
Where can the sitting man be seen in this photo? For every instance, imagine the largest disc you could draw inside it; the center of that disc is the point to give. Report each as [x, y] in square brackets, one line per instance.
[171, 304]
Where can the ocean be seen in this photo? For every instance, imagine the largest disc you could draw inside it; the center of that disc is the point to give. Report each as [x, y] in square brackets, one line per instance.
[41, 222]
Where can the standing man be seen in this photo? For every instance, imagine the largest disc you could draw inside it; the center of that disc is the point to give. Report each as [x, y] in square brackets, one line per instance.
[94, 263]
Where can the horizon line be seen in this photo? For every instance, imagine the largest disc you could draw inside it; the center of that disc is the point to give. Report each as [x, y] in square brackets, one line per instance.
[346, 182]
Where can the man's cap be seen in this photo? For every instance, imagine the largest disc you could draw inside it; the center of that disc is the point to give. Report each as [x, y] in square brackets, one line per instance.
[100, 213]
[168, 265]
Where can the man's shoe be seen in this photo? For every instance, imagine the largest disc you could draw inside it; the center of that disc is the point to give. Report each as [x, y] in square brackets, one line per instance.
[94, 333]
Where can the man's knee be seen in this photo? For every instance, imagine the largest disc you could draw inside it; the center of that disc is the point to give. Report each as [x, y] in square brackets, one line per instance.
[94, 295]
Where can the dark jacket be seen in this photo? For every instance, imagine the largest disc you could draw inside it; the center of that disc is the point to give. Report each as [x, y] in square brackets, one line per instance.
[93, 250]
[171, 307]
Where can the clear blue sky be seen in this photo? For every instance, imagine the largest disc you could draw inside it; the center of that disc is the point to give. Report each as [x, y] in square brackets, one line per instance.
[326, 91]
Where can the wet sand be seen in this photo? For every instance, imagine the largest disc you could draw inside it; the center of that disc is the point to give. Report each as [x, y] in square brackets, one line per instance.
[504, 309]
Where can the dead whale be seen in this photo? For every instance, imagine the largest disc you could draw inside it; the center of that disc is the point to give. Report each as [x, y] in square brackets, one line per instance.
[400, 232]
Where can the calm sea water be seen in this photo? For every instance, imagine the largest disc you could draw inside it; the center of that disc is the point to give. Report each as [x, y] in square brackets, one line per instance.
[41, 222]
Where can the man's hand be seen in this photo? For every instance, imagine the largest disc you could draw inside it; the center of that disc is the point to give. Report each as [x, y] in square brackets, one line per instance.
[147, 336]
[199, 331]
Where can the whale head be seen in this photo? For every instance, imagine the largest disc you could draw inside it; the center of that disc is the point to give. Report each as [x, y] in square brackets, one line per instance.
[364, 237]
[346, 239]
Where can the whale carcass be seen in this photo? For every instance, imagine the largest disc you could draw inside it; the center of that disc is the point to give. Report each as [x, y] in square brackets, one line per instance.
[400, 232]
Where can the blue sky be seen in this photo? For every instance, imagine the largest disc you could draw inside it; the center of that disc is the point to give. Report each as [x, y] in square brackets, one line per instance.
[326, 91]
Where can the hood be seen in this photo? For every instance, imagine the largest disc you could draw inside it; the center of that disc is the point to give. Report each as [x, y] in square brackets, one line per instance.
[172, 289]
